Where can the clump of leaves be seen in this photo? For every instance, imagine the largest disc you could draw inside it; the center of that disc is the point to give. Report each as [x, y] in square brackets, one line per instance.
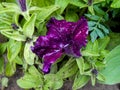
[22, 27]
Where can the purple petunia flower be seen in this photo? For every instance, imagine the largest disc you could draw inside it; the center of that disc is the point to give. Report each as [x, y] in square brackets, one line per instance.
[62, 38]
[22, 4]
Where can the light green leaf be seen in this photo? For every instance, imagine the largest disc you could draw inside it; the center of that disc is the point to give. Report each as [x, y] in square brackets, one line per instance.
[13, 48]
[80, 81]
[91, 10]
[1, 65]
[10, 69]
[115, 4]
[112, 69]
[100, 77]
[28, 28]
[4, 82]
[33, 71]
[28, 54]
[14, 35]
[45, 12]
[3, 47]
[80, 63]
[53, 81]
[69, 69]
[62, 3]
[29, 81]
[78, 3]
[9, 7]
[89, 53]
[18, 60]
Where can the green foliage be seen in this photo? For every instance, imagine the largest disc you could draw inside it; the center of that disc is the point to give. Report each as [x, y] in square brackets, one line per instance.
[80, 81]
[28, 55]
[13, 48]
[96, 29]
[111, 71]
[101, 16]
[53, 81]
[31, 79]
[4, 82]
[1, 65]
[115, 4]
[28, 28]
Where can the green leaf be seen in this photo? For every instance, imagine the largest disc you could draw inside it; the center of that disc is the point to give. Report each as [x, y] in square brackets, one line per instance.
[14, 35]
[71, 16]
[31, 79]
[33, 71]
[28, 54]
[9, 7]
[1, 65]
[4, 82]
[18, 60]
[93, 35]
[114, 40]
[63, 4]
[53, 81]
[3, 47]
[81, 65]
[80, 81]
[100, 33]
[13, 49]
[93, 17]
[45, 12]
[91, 10]
[69, 69]
[100, 77]
[78, 3]
[105, 30]
[10, 69]
[115, 4]
[89, 53]
[28, 28]
[103, 42]
[111, 71]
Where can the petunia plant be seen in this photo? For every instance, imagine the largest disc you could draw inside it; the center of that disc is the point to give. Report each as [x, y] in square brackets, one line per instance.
[51, 41]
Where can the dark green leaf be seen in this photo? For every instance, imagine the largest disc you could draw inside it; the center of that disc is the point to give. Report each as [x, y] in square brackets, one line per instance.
[93, 35]
[99, 32]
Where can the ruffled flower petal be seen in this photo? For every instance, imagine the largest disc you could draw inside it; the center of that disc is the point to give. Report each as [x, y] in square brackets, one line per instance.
[49, 59]
[62, 37]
